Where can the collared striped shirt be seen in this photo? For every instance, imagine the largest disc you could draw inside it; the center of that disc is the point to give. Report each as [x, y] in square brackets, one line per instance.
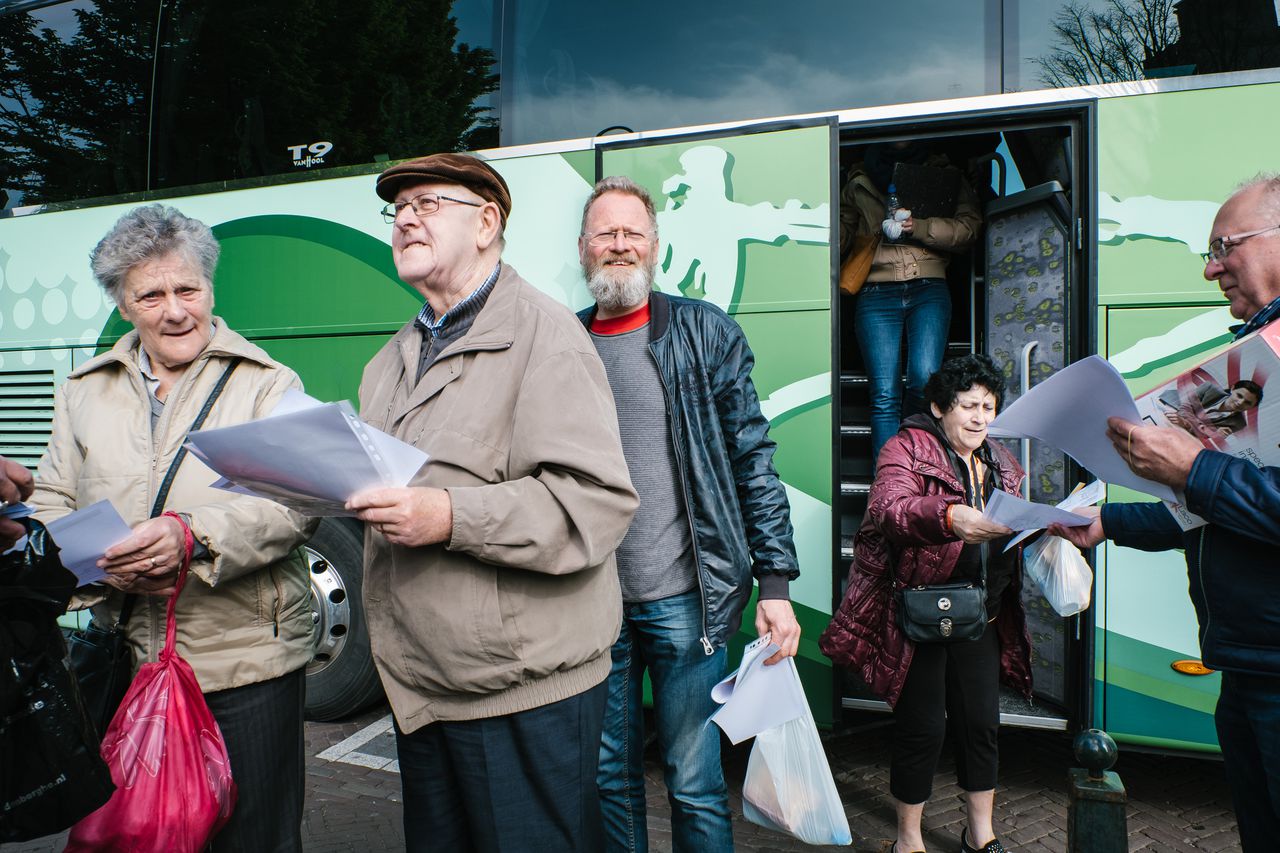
[438, 333]
[1257, 321]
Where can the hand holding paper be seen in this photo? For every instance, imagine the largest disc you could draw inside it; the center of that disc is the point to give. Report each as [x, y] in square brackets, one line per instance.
[85, 535]
[412, 516]
[1162, 454]
[1018, 514]
[1069, 410]
[1080, 499]
[758, 697]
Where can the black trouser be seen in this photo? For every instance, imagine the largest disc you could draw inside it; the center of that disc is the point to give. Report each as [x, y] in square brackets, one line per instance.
[519, 782]
[956, 682]
[262, 726]
[1248, 718]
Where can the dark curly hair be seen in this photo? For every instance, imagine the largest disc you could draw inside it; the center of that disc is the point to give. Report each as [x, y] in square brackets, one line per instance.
[960, 374]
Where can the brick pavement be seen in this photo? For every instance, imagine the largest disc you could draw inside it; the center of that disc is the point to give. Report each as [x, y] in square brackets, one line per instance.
[1176, 805]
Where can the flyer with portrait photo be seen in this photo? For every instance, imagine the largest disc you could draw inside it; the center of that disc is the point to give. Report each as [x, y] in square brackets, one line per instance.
[1226, 403]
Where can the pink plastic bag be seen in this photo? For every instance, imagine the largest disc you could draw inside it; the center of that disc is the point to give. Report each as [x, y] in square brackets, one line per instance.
[167, 758]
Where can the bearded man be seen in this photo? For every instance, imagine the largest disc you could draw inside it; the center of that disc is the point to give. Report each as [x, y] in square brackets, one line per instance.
[712, 515]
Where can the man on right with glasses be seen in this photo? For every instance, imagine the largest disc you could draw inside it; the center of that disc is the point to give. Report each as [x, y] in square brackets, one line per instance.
[1232, 561]
[713, 513]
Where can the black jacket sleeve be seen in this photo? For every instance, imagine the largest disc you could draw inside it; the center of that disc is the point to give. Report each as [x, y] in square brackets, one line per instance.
[766, 513]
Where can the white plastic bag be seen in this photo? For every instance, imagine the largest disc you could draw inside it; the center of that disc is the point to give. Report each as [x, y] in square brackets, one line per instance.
[789, 786]
[1059, 570]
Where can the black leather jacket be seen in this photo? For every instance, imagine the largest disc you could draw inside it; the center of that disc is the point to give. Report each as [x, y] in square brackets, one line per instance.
[736, 503]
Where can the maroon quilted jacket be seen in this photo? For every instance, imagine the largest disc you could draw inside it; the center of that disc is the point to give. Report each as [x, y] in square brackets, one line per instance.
[906, 516]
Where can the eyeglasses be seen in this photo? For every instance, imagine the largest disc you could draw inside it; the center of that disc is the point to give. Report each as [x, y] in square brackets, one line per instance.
[605, 238]
[1220, 248]
[423, 205]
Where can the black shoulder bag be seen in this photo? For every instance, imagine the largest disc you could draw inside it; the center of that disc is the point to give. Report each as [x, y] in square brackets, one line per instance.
[101, 658]
[946, 612]
[51, 774]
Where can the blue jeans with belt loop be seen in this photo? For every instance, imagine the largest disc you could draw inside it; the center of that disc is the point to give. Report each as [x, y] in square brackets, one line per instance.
[885, 310]
[664, 636]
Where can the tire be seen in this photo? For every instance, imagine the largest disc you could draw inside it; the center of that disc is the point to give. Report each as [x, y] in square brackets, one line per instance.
[341, 678]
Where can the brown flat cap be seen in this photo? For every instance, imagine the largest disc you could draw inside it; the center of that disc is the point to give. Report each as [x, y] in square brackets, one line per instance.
[462, 169]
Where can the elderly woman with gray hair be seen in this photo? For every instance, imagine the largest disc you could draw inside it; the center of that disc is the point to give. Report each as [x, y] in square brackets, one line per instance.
[244, 619]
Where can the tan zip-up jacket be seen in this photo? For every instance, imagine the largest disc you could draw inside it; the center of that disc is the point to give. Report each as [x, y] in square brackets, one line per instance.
[244, 615]
[520, 607]
[926, 252]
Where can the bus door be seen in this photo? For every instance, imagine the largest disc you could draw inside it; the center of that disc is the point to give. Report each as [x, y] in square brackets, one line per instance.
[745, 219]
[1018, 293]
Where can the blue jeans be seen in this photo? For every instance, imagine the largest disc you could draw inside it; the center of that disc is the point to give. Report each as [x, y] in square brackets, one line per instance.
[884, 311]
[665, 637]
[1248, 719]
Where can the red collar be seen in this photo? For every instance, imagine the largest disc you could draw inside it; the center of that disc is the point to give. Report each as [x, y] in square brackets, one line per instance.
[626, 323]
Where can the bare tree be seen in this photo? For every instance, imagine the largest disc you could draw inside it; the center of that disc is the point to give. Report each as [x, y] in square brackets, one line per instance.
[1107, 44]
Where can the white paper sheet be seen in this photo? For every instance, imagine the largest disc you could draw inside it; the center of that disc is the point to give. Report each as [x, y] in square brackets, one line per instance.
[307, 455]
[85, 535]
[758, 697]
[1083, 496]
[1018, 514]
[1069, 411]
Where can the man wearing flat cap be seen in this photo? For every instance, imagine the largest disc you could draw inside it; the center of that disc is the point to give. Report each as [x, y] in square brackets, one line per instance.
[490, 587]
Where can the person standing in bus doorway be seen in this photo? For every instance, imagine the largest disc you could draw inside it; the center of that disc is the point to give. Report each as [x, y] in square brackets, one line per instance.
[489, 585]
[713, 513]
[16, 485]
[905, 294]
[1232, 559]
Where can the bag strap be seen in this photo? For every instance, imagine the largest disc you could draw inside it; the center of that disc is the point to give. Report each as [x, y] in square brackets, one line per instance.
[171, 623]
[163, 495]
[126, 609]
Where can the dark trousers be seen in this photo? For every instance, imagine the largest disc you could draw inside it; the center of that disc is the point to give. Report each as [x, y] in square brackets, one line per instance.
[515, 783]
[1248, 719]
[948, 682]
[262, 726]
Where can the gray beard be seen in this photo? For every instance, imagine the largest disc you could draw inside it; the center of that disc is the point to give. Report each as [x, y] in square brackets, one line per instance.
[614, 293]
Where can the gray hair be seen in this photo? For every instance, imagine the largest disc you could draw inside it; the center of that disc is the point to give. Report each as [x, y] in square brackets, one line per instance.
[620, 184]
[1270, 184]
[151, 232]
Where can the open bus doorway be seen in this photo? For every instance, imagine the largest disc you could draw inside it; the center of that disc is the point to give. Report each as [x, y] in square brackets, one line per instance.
[1020, 293]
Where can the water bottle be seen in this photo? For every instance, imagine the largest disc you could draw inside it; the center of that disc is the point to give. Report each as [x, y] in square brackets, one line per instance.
[891, 206]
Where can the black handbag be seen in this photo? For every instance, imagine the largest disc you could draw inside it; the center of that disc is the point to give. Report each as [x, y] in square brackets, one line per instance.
[102, 661]
[943, 613]
[51, 774]
[101, 657]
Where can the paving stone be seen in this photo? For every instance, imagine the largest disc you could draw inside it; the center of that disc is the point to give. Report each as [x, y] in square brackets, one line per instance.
[1176, 805]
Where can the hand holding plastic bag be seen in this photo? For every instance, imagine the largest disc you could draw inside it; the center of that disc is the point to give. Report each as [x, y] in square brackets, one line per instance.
[168, 760]
[1061, 573]
[788, 786]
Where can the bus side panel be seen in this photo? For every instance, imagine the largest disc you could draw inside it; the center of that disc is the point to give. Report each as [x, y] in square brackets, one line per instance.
[745, 224]
[1164, 167]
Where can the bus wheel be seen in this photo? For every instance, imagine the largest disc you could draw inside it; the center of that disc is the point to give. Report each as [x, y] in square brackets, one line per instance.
[341, 678]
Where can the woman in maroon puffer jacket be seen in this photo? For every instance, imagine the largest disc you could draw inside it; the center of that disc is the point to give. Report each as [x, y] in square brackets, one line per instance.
[924, 520]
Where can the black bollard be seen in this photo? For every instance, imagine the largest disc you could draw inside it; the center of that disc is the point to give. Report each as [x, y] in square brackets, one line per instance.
[1096, 798]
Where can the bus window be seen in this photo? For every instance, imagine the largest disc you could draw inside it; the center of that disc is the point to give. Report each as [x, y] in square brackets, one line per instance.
[695, 63]
[73, 119]
[246, 89]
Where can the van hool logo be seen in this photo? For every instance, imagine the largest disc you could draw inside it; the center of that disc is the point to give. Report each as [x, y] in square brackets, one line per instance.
[306, 156]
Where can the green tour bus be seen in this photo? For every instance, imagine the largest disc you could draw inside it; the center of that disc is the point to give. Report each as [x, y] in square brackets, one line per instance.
[1099, 182]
